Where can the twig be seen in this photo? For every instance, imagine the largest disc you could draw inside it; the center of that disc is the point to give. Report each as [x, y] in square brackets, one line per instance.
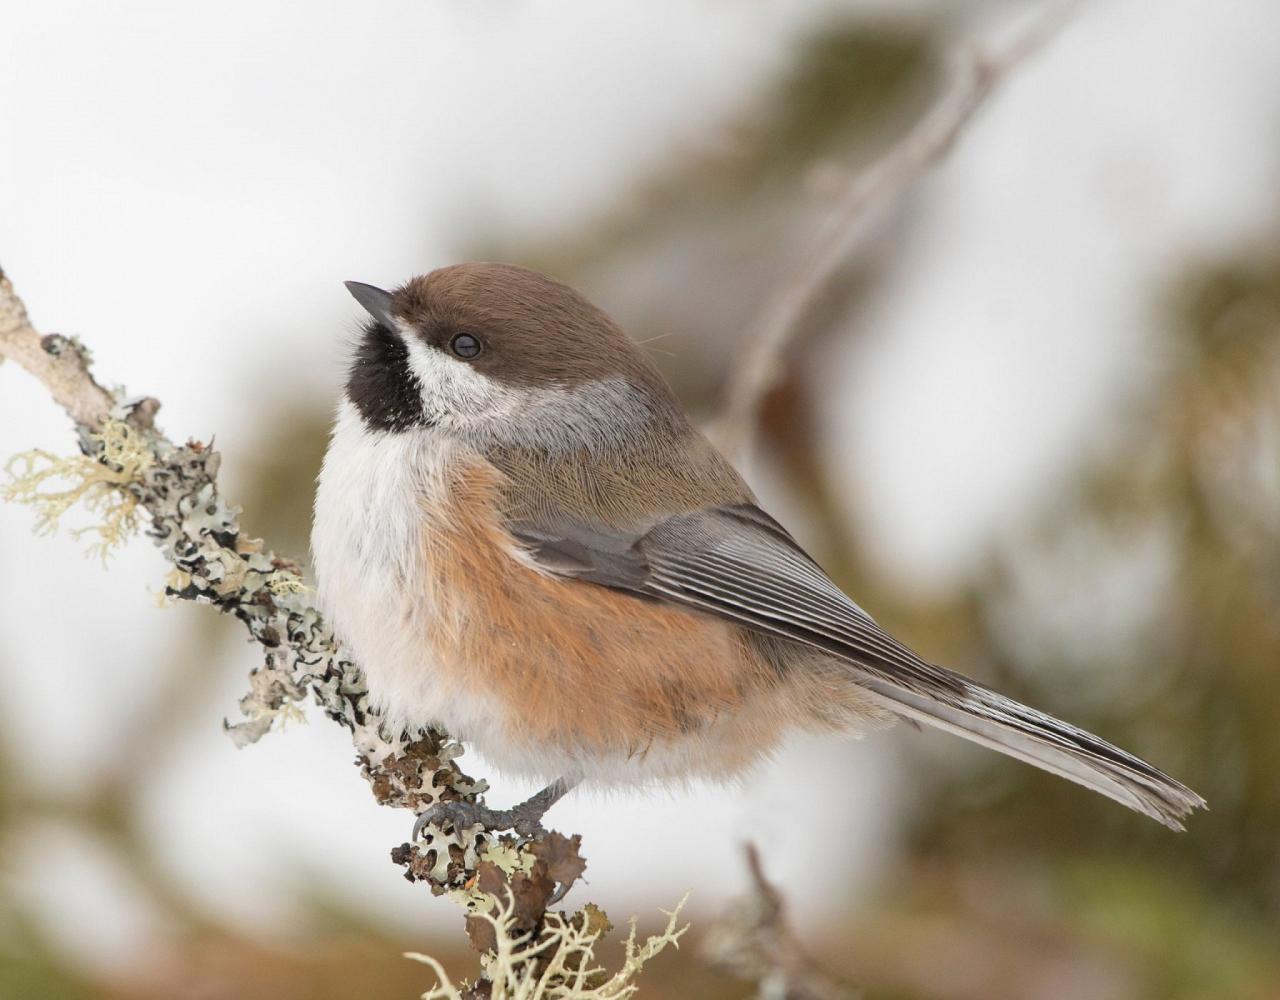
[753, 941]
[760, 367]
[59, 363]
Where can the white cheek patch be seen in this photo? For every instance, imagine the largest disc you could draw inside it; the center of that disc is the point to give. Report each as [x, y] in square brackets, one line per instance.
[452, 391]
[456, 397]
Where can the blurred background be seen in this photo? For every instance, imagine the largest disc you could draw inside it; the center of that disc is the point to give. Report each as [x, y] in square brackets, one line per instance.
[1034, 427]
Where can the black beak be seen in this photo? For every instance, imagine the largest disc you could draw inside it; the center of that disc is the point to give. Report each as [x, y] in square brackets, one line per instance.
[376, 302]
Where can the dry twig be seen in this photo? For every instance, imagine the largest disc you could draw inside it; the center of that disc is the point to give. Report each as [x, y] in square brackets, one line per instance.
[978, 72]
[753, 941]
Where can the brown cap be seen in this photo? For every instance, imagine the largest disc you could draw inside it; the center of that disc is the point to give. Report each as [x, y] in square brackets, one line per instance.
[533, 331]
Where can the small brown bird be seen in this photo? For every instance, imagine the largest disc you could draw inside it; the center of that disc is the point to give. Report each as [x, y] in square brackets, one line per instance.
[523, 540]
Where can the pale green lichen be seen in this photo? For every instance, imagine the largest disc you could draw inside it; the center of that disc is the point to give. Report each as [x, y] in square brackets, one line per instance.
[284, 582]
[508, 859]
[557, 963]
[104, 484]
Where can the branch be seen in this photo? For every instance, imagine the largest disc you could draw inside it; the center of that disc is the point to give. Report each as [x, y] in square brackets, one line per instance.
[60, 363]
[977, 74]
[215, 563]
[755, 942]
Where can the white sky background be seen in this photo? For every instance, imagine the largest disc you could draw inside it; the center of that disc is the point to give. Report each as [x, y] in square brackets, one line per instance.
[187, 187]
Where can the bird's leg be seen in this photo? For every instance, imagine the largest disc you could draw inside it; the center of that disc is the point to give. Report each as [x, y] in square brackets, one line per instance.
[525, 818]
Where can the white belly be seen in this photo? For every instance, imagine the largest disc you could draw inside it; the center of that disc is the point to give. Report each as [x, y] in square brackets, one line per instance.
[373, 507]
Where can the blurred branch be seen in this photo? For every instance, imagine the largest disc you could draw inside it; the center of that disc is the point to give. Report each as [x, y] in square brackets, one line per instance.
[754, 942]
[977, 73]
[215, 563]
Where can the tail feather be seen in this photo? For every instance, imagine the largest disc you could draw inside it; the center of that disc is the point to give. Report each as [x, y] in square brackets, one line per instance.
[992, 720]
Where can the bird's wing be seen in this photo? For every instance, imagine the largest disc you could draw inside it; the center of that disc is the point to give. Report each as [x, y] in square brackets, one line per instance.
[736, 562]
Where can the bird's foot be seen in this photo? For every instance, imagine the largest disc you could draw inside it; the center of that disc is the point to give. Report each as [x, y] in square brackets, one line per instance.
[461, 815]
[525, 819]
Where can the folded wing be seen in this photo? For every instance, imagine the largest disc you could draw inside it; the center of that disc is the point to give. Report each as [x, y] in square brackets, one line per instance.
[738, 563]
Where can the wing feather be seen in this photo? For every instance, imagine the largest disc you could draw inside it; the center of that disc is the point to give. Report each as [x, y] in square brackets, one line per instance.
[738, 563]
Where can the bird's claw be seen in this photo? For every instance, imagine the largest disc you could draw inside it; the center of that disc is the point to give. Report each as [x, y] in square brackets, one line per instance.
[525, 819]
[462, 815]
[458, 814]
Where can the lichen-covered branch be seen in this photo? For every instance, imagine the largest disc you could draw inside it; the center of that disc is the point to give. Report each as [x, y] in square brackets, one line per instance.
[759, 366]
[134, 471]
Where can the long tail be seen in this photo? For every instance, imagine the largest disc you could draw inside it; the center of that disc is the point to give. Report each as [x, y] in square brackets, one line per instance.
[984, 716]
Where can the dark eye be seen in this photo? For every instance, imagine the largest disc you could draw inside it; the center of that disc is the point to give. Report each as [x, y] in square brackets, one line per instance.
[464, 345]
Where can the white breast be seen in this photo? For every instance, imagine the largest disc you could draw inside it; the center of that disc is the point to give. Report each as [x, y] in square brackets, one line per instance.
[374, 503]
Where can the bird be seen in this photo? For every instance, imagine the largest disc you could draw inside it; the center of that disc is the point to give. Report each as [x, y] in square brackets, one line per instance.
[523, 540]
